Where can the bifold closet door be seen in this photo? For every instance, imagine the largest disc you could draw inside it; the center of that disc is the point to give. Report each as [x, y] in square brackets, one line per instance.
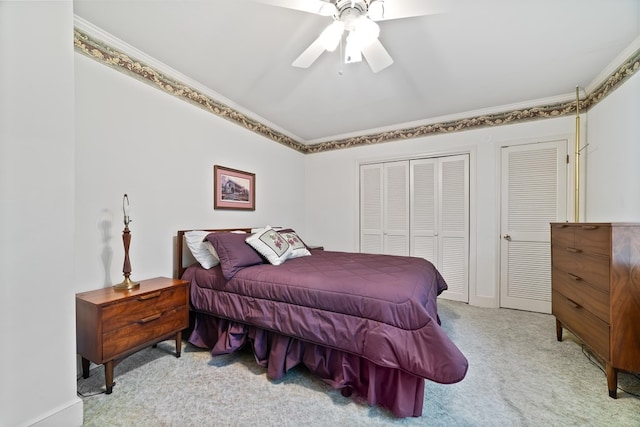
[371, 206]
[420, 208]
[440, 219]
[384, 208]
[396, 208]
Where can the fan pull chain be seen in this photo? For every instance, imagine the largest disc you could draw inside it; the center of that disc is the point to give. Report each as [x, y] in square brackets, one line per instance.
[340, 62]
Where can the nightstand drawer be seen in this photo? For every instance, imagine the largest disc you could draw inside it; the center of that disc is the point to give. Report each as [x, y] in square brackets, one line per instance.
[591, 330]
[132, 310]
[585, 295]
[590, 268]
[144, 330]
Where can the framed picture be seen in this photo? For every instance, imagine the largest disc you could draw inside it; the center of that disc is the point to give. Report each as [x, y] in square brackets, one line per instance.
[233, 189]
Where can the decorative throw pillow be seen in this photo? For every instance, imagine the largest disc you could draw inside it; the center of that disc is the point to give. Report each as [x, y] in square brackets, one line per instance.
[298, 247]
[234, 253]
[291, 230]
[270, 244]
[195, 240]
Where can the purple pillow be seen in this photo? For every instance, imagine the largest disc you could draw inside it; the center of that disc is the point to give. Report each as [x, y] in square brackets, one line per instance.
[234, 252]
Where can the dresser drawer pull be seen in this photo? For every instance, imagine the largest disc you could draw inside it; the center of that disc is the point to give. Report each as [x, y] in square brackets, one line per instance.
[574, 250]
[149, 296]
[590, 227]
[574, 277]
[150, 318]
[561, 225]
[573, 303]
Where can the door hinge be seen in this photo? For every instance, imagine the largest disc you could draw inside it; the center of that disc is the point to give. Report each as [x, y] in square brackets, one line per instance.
[567, 159]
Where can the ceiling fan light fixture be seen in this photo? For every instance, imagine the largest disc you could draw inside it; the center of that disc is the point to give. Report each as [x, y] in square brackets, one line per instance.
[376, 10]
[352, 51]
[327, 9]
[331, 36]
[364, 32]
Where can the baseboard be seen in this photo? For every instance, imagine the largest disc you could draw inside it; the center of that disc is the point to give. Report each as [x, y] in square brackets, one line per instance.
[69, 416]
[484, 302]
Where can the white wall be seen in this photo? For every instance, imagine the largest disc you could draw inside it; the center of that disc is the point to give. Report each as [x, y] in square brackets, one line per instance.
[37, 313]
[132, 138]
[612, 158]
[332, 205]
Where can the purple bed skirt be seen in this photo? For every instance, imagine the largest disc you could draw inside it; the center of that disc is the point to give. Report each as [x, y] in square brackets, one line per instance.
[396, 390]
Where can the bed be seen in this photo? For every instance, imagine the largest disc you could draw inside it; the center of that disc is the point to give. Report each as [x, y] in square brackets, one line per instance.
[366, 324]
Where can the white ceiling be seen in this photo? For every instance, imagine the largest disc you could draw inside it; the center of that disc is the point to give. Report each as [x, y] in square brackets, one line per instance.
[479, 55]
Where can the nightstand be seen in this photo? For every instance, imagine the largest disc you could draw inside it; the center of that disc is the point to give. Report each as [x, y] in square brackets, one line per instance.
[111, 324]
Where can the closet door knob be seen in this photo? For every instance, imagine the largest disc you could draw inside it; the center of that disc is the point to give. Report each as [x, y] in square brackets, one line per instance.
[507, 237]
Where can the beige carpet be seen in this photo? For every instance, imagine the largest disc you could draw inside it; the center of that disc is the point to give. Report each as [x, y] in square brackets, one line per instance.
[519, 375]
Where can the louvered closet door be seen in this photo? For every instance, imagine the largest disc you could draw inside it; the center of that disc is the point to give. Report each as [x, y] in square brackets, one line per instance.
[440, 219]
[533, 192]
[453, 254]
[371, 202]
[424, 209]
[396, 208]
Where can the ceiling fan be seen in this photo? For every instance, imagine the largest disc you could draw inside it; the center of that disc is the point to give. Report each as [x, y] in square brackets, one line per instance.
[358, 20]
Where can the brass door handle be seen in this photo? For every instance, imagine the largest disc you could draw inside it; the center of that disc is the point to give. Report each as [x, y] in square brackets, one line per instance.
[506, 237]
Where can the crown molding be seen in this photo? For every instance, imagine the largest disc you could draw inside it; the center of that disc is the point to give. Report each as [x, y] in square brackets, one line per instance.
[103, 47]
[626, 54]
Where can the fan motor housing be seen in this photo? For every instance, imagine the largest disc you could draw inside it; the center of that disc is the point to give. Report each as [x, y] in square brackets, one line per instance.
[347, 11]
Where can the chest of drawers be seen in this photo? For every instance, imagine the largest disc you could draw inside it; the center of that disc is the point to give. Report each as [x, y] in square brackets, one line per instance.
[596, 291]
[112, 324]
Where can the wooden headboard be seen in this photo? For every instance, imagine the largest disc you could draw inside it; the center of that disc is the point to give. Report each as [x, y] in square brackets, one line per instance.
[182, 249]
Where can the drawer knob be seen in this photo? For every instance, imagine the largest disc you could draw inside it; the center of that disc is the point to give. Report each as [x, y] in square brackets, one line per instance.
[589, 227]
[574, 250]
[150, 318]
[574, 277]
[149, 296]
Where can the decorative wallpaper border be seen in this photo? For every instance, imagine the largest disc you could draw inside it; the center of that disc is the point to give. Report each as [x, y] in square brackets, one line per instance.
[108, 55]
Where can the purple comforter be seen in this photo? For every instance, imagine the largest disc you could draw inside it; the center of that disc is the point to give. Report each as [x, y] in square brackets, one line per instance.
[379, 307]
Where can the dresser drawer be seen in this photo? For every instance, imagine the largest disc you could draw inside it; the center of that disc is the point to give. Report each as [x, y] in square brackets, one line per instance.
[592, 299]
[563, 235]
[131, 310]
[594, 239]
[589, 268]
[144, 330]
[591, 330]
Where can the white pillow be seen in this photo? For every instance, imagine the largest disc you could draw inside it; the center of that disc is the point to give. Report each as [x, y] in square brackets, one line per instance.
[200, 248]
[298, 247]
[270, 244]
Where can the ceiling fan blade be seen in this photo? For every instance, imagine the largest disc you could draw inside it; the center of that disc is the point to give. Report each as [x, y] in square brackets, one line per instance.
[377, 56]
[384, 10]
[318, 7]
[309, 56]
